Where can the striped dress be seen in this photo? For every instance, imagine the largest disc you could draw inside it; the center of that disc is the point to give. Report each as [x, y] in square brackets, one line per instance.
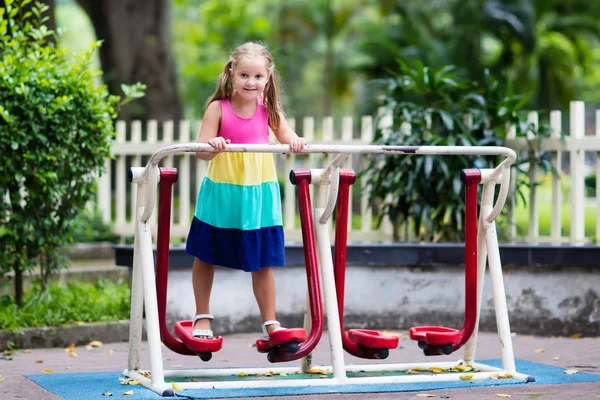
[237, 222]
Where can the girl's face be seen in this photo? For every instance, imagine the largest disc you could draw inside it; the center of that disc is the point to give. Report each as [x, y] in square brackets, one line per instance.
[250, 77]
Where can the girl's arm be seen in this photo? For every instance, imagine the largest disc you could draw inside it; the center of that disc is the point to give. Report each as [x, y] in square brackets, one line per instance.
[210, 130]
[285, 135]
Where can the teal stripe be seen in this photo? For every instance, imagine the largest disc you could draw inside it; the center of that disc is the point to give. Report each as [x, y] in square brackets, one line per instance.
[225, 205]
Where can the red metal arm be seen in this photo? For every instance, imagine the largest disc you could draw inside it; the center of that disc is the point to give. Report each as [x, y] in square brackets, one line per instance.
[302, 179]
[168, 176]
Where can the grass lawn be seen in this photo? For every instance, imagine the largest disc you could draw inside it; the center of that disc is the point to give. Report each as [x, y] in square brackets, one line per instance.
[544, 195]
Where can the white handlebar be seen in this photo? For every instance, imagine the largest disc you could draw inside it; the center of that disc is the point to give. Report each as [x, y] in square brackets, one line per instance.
[151, 174]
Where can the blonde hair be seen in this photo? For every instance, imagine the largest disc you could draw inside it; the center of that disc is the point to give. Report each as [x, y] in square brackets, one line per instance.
[224, 88]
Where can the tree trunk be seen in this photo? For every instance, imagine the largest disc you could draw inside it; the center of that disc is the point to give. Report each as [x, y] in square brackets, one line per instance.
[18, 281]
[137, 48]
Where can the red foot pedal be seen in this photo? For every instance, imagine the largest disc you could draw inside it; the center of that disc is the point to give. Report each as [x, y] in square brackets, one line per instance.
[280, 337]
[183, 330]
[435, 335]
[373, 339]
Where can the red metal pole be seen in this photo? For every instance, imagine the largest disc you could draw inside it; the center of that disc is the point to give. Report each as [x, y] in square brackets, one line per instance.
[471, 179]
[168, 176]
[302, 179]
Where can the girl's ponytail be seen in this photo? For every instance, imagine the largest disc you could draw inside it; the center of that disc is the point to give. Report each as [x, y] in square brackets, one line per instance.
[272, 100]
[224, 87]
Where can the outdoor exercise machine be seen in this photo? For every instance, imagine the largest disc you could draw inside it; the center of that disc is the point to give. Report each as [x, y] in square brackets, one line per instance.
[332, 187]
[363, 343]
[438, 340]
[283, 345]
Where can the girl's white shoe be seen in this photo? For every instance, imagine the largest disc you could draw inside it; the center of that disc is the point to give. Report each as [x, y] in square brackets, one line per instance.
[203, 333]
[266, 332]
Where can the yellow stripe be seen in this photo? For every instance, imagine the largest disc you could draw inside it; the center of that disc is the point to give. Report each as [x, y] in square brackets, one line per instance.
[245, 169]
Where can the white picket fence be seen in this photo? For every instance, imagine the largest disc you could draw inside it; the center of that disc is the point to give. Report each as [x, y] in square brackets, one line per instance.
[116, 197]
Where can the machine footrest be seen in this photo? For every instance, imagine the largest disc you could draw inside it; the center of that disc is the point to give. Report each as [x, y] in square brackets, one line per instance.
[373, 339]
[203, 347]
[435, 335]
[289, 338]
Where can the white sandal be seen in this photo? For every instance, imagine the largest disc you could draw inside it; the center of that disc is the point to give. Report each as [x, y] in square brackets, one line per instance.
[203, 333]
[266, 332]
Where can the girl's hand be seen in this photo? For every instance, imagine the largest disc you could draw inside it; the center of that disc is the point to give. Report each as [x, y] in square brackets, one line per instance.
[219, 143]
[297, 144]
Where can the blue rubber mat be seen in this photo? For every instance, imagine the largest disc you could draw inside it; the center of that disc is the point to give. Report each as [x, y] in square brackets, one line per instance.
[93, 386]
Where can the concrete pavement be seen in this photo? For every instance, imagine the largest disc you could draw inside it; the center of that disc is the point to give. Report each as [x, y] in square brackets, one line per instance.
[582, 354]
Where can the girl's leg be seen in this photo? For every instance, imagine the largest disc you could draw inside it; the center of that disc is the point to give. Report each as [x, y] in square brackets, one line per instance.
[263, 284]
[202, 280]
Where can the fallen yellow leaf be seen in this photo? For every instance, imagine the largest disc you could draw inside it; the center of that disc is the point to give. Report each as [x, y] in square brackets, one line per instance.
[78, 323]
[463, 368]
[241, 374]
[128, 393]
[504, 375]
[503, 395]
[70, 348]
[72, 354]
[540, 350]
[494, 375]
[47, 371]
[1, 378]
[176, 386]
[110, 352]
[317, 371]
[95, 343]
[466, 377]
[283, 374]
[39, 361]
[571, 371]
[575, 336]
[129, 381]
[436, 370]
[27, 351]
[425, 395]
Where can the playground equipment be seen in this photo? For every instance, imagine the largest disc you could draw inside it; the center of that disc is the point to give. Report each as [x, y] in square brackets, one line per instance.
[332, 187]
[283, 345]
[437, 340]
[361, 343]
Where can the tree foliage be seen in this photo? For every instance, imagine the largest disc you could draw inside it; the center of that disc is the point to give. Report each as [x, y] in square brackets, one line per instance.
[56, 128]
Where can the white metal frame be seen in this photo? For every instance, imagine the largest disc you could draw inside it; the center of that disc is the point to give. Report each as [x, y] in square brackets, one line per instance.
[327, 180]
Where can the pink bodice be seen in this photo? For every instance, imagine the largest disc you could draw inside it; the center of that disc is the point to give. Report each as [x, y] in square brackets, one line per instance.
[253, 130]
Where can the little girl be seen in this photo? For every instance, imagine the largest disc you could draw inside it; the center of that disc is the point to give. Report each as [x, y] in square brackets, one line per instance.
[237, 222]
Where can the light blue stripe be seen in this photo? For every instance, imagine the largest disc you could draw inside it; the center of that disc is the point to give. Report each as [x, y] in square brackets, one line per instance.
[225, 205]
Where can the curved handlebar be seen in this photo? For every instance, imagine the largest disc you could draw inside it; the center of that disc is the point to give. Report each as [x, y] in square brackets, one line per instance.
[502, 171]
[151, 170]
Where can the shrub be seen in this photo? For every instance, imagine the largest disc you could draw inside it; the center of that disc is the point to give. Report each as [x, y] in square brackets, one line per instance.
[590, 185]
[56, 127]
[89, 227]
[425, 192]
